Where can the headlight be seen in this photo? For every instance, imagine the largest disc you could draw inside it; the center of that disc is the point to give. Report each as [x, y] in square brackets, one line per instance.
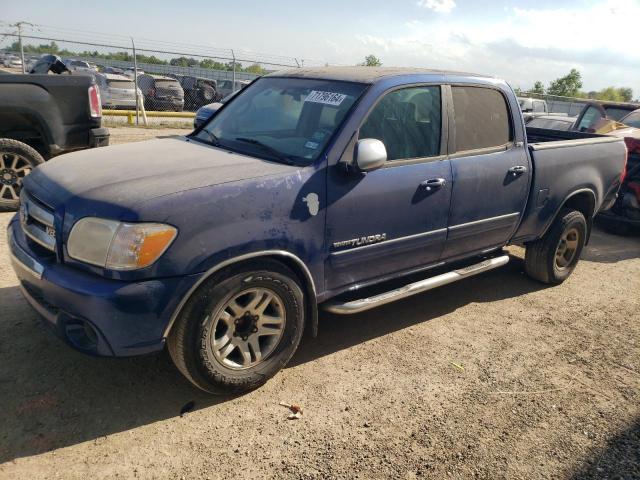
[117, 245]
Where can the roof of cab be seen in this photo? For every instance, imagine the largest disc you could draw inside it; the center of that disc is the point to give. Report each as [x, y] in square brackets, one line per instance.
[362, 74]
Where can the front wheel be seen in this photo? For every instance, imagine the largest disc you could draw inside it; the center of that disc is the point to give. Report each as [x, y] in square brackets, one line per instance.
[17, 159]
[552, 258]
[236, 333]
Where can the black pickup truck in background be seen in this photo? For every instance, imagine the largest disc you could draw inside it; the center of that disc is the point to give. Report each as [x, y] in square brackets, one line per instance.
[42, 116]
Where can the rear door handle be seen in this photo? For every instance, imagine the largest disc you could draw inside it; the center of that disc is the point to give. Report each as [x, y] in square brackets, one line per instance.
[433, 184]
[517, 170]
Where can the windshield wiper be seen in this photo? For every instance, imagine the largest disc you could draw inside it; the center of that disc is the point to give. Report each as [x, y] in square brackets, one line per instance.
[212, 138]
[276, 153]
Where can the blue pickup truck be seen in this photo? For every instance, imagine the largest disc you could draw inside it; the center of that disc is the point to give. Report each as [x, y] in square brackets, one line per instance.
[314, 189]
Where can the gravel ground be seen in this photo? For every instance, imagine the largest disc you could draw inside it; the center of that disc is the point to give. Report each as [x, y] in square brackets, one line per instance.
[494, 377]
[137, 134]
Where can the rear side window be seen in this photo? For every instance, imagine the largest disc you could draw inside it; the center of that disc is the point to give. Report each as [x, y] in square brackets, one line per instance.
[482, 118]
[408, 122]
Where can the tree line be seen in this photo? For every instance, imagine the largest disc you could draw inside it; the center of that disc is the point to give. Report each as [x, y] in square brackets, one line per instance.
[571, 86]
[54, 49]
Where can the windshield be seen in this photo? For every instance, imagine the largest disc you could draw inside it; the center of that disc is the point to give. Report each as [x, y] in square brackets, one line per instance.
[127, 84]
[633, 119]
[283, 119]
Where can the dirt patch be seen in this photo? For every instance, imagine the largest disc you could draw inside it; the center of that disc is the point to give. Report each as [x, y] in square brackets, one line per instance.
[494, 377]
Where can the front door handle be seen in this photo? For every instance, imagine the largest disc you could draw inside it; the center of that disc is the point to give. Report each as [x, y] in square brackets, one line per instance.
[433, 184]
[517, 170]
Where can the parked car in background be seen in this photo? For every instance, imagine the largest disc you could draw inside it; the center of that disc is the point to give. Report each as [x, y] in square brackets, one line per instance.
[198, 91]
[533, 105]
[594, 113]
[225, 87]
[552, 122]
[312, 189]
[75, 65]
[113, 70]
[161, 93]
[42, 116]
[130, 72]
[204, 113]
[16, 62]
[12, 61]
[116, 91]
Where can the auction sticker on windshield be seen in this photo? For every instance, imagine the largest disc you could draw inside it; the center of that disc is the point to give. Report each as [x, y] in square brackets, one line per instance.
[328, 98]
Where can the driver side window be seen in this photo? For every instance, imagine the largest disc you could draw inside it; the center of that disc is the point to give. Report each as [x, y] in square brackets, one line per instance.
[408, 122]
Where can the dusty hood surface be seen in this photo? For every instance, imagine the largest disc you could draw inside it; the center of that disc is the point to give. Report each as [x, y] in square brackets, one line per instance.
[132, 173]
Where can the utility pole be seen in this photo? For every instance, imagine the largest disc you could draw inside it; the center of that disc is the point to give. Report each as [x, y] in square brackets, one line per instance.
[19, 27]
[135, 81]
[233, 88]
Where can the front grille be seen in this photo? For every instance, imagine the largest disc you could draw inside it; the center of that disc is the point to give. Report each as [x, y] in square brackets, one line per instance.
[37, 221]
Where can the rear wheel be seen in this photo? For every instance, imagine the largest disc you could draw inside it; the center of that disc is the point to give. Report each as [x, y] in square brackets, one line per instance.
[552, 258]
[208, 94]
[236, 333]
[17, 159]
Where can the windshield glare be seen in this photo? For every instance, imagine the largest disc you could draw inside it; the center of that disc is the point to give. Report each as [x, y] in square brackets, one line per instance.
[283, 118]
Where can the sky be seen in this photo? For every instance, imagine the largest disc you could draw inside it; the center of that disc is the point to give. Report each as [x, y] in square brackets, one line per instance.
[521, 41]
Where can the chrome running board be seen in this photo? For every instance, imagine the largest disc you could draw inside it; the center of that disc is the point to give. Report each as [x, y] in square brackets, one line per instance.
[356, 306]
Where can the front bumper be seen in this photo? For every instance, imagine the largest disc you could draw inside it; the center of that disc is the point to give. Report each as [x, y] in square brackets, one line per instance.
[96, 315]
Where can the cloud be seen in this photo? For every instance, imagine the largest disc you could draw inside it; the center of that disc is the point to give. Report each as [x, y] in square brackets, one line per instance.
[523, 45]
[439, 6]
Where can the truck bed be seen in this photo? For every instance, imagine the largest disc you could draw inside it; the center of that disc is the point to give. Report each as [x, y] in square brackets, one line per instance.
[565, 162]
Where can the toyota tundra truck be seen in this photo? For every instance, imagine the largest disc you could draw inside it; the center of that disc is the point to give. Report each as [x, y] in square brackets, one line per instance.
[335, 189]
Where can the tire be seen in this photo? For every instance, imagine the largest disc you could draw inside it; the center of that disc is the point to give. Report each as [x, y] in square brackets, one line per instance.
[205, 342]
[17, 159]
[208, 95]
[550, 259]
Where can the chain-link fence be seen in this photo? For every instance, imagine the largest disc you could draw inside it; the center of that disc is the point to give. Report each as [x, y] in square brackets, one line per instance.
[168, 76]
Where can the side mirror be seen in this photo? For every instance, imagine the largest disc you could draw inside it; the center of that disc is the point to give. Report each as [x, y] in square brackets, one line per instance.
[370, 154]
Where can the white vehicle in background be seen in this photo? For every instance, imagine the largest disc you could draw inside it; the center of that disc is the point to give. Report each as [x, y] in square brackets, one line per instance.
[15, 63]
[77, 65]
[129, 72]
[12, 61]
[533, 105]
[116, 91]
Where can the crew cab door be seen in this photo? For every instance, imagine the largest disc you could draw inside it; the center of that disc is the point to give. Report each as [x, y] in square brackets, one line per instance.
[490, 169]
[392, 219]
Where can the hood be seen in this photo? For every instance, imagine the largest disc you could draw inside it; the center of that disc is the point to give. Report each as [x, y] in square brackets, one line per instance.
[126, 175]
